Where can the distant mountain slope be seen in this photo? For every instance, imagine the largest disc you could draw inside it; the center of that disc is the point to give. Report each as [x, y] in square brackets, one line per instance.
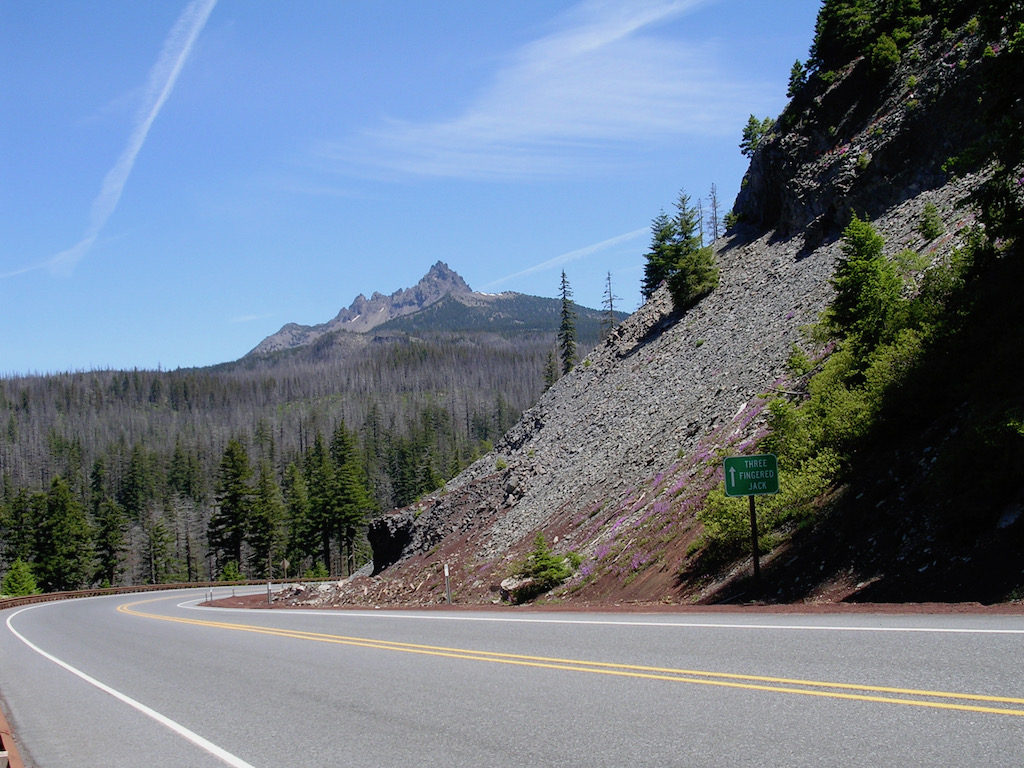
[440, 301]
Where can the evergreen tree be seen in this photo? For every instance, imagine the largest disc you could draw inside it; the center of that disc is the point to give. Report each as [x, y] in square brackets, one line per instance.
[138, 486]
[18, 527]
[63, 541]
[567, 327]
[841, 31]
[110, 526]
[867, 303]
[19, 581]
[753, 133]
[183, 474]
[797, 79]
[352, 493]
[319, 471]
[229, 521]
[660, 258]
[266, 524]
[693, 274]
[161, 567]
[551, 370]
[296, 503]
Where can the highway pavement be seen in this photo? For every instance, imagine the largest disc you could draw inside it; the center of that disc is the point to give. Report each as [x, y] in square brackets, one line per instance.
[156, 679]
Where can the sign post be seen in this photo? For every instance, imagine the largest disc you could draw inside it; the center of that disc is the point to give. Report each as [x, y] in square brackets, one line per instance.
[752, 476]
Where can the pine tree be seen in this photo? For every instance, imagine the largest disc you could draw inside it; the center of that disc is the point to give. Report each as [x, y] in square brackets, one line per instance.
[693, 273]
[63, 541]
[797, 79]
[867, 302]
[841, 31]
[138, 486]
[296, 502]
[354, 500]
[551, 371]
[110, 526]
[265, 533]
[161, 567]
[660, 257]
[18, 527]
[19, 581]
[753, 132]
[319, 472]
[230, 518]
[567, 327]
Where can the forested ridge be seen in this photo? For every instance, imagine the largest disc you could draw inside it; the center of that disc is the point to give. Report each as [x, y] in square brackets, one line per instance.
[268, 465]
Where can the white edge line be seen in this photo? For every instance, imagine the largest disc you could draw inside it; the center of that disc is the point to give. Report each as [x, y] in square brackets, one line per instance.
[178, 728]
[194, 605]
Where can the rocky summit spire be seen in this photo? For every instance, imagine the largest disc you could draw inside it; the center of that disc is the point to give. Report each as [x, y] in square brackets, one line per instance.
[364, 314]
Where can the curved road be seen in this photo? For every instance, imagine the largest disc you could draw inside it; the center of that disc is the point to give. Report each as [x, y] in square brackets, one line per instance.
[157, 680]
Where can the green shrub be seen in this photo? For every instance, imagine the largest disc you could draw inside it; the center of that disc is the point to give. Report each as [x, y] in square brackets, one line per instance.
[841, 417]
[789, 438]
[798, 362]
[930, 225]
[890, 365]
[726, 519]
[884, 56]
[909, 261]
[318, 571]
[546, 569]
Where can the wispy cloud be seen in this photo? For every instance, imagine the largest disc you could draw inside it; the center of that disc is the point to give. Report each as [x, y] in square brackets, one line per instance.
[565, 258]
[162, 77]
[250, 318]
[601, 81]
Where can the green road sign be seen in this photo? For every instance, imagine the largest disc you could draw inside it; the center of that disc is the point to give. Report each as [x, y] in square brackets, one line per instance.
[751, 475]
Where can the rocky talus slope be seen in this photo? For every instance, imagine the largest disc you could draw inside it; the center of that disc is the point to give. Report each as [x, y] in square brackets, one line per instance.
[614, 458]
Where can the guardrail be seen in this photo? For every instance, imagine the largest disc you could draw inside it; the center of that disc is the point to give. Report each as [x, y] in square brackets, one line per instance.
[45, 597]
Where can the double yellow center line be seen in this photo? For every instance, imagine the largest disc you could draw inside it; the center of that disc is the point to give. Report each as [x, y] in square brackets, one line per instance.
[964, 702]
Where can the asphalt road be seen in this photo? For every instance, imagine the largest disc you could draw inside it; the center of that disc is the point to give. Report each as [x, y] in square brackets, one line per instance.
[153, 679]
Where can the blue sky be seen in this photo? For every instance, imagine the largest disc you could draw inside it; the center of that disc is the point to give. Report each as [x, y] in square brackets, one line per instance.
[180, 179]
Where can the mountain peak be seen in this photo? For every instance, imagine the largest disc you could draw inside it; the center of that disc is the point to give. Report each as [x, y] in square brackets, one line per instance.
[443, 276]
[364, 314]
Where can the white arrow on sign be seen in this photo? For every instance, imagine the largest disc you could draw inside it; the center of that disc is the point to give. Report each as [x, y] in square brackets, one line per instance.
[732, 476]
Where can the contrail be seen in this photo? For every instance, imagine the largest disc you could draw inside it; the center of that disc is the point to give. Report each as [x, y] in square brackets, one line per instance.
[162, 78]
[564, 258]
